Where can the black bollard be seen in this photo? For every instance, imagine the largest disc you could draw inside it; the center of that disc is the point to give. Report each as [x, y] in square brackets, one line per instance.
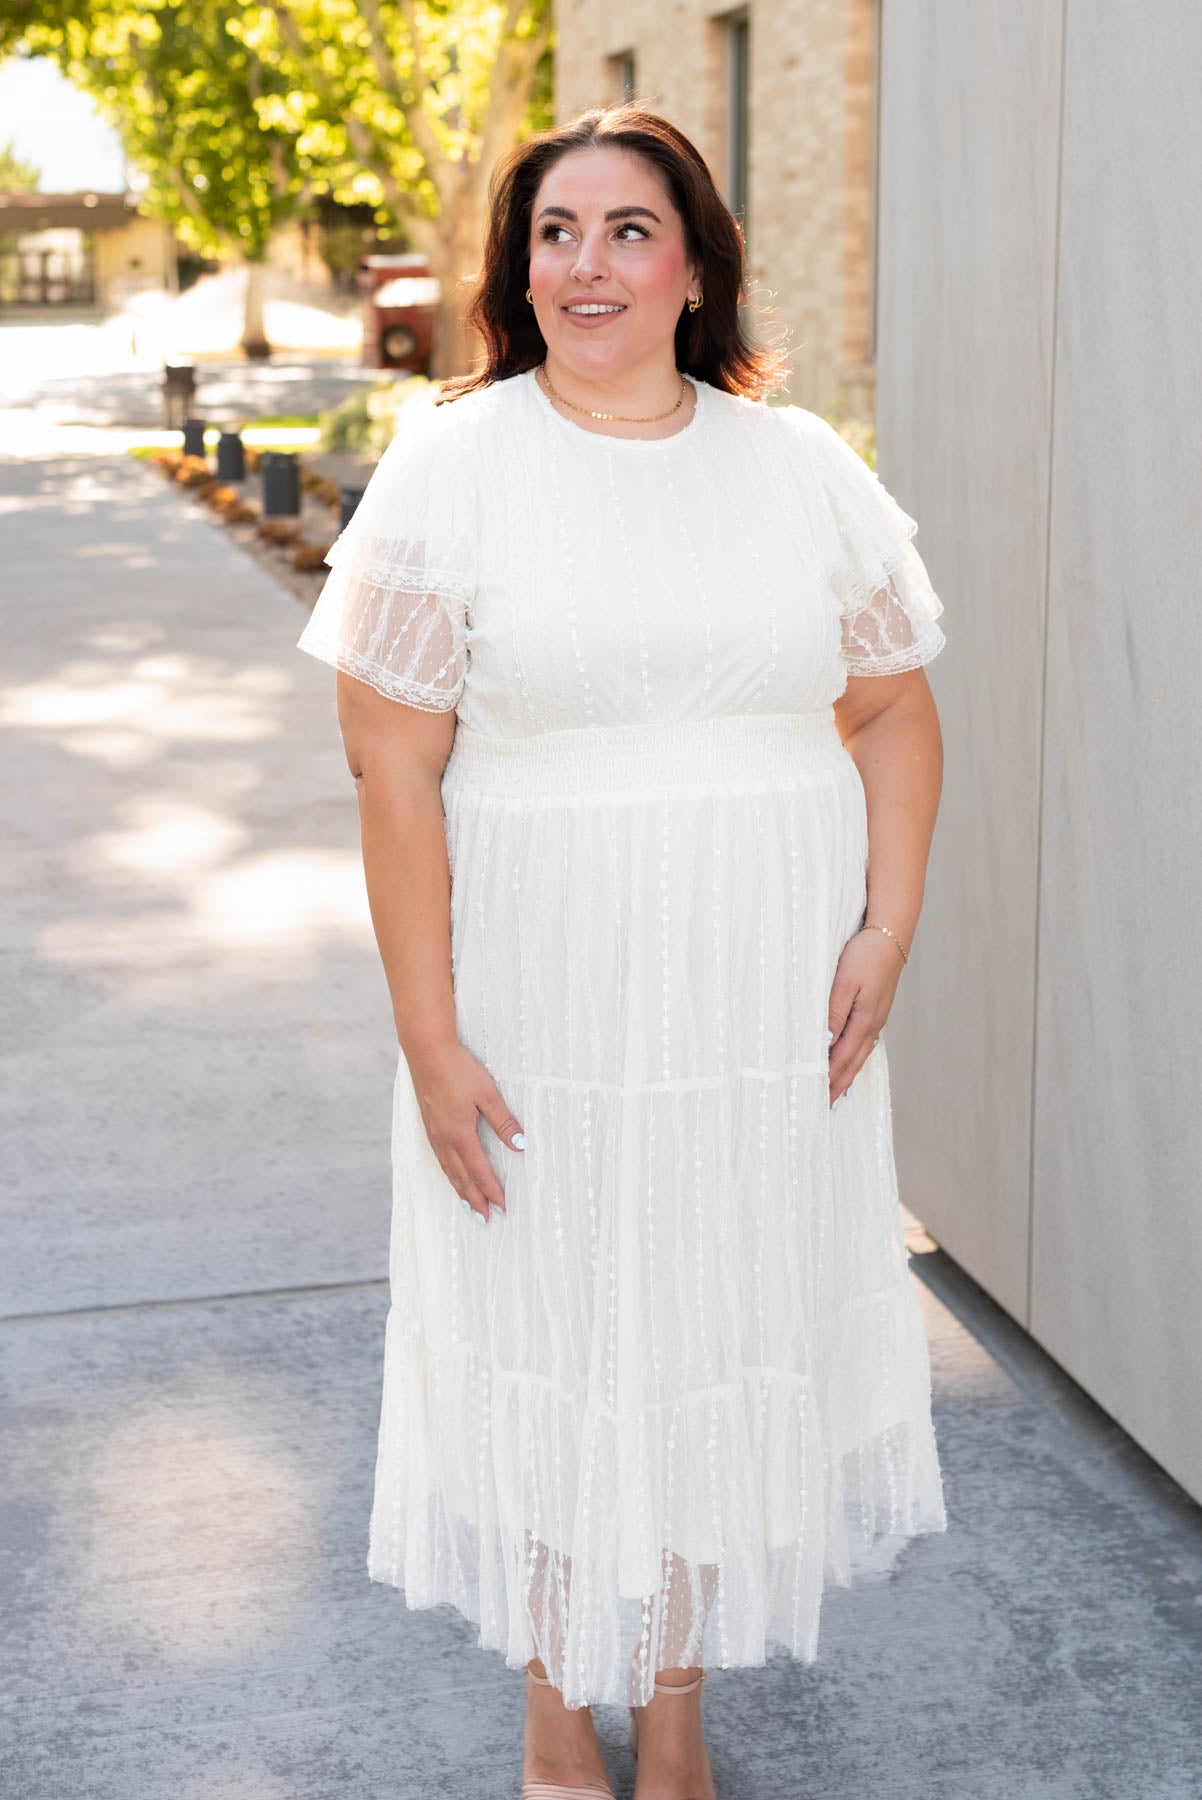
[348, 500]
[194, 437]
[281, 484]
[231, 461]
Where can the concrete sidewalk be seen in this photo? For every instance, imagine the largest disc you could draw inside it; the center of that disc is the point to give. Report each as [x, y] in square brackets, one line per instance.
[196, 1079]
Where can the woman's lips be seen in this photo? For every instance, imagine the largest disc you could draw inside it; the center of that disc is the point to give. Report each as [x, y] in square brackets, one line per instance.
[593, 318]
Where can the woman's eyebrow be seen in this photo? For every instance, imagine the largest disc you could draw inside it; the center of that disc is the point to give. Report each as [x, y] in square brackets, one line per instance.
[615, 212]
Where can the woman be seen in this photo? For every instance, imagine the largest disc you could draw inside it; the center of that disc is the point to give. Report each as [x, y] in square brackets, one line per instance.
[630, 686]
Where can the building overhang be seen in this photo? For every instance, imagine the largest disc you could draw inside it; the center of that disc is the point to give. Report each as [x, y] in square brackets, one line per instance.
[20, 213]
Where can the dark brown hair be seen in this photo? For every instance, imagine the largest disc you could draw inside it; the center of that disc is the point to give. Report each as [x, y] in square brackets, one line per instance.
[710, 343]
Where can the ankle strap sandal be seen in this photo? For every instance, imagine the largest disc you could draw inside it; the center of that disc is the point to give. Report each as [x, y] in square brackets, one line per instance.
[663, 1687]
[550, 1790]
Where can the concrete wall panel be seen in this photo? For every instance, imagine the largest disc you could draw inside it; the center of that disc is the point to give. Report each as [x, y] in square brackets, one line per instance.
[969, 131]
[1117, 1252]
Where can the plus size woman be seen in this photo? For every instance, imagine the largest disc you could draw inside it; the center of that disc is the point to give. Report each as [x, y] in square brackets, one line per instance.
[630, 683]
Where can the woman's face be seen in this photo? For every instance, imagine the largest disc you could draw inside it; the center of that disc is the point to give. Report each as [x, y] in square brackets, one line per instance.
[636, 261]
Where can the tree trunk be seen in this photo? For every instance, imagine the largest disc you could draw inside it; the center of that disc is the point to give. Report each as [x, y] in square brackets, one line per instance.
[254, 335]
[453, 247]
[453, 352]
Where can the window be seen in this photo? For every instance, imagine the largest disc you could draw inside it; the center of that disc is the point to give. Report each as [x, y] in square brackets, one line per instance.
[51, 267]
[622, 73]
[738, 62]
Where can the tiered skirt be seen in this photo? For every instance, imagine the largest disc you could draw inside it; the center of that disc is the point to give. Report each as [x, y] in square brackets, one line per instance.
[644, 1418]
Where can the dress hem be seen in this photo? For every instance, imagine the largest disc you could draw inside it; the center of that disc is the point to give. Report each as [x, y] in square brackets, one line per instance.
[864, 1567]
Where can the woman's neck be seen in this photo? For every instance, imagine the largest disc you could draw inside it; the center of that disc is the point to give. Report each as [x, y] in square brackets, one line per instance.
[632, 397]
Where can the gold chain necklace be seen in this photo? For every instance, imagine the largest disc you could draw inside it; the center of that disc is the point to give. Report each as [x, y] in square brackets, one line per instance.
[620, 416]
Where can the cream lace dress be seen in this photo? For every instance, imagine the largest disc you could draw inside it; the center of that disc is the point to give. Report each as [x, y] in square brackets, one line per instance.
[643, 1419]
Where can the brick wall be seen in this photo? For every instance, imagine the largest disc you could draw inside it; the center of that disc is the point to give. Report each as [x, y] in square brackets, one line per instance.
[812, 154]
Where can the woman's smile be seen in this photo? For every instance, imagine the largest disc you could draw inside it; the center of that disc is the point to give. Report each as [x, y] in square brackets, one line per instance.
[593, 312]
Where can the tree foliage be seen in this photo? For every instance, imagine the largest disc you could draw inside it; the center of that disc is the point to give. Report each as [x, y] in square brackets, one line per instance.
[193, 110]
[238, 113]
[409, 106]
[16, 175]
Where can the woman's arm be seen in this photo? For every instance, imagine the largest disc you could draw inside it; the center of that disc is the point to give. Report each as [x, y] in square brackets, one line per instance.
[397, 754]
[890, 728]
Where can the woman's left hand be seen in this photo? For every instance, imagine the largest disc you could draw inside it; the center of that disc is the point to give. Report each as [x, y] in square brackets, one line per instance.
[862, 993]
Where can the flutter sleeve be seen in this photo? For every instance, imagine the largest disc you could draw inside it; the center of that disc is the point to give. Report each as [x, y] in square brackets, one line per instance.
[887, 605]
[394, 610]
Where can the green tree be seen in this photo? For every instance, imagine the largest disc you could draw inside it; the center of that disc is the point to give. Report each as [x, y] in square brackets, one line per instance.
[238, 112]
[410, 107]
[16, 175]
[197, 112]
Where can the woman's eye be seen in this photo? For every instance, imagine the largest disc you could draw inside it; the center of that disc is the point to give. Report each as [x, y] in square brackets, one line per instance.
[548, 230]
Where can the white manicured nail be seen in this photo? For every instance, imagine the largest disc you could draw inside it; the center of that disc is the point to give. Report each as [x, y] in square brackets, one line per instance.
[479, 1218]
[830, 1036]
[517, 1141]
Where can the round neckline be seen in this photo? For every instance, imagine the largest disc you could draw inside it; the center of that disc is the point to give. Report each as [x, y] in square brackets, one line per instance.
[608, 437]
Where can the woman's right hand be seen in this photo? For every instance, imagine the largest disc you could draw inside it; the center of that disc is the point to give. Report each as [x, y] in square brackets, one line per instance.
[452, 1087]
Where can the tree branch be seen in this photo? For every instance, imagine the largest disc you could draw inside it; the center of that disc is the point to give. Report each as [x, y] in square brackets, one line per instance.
[189, 201]
[358, 136]
[424, 135]
[509, 89]
[381, 55]
[275, 150]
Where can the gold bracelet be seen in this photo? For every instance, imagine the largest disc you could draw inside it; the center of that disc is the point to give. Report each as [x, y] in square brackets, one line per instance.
[888, 933]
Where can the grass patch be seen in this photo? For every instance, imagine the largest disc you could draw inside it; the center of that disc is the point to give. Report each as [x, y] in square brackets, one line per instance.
[276, 434]
[283, 422]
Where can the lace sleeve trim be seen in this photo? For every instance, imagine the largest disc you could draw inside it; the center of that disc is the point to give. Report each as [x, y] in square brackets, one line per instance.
[886, 604]
[888, 618]
[392, 687]
[394, 611]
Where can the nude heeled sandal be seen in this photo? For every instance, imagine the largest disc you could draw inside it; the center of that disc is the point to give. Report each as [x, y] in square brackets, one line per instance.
[663, 1687]
[550, 1790]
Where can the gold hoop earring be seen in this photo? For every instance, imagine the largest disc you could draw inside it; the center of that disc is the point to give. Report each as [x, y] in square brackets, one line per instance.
[694, 304]
[529, 296]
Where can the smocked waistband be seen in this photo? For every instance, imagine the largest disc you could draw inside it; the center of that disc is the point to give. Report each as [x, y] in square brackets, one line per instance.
[737, 749]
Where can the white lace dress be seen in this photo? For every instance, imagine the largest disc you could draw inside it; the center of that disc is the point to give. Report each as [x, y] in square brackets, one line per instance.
[643, 1419]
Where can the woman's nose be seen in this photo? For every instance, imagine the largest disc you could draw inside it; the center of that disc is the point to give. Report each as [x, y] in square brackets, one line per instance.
[589, 264]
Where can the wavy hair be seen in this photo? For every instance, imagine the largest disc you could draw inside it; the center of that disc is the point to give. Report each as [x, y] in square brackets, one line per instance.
[711, 343]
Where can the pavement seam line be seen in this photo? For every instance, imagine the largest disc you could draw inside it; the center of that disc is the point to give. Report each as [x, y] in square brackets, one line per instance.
[132, 1306]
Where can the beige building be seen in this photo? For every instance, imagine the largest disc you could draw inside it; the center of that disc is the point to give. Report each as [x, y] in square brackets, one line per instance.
[781, 100]
[80, 250]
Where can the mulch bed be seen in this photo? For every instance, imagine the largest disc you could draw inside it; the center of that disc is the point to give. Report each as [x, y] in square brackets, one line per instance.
[293, 549]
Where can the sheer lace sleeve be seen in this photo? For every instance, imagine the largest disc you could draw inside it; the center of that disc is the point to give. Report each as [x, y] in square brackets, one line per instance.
[394, 610]
[887, 605]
